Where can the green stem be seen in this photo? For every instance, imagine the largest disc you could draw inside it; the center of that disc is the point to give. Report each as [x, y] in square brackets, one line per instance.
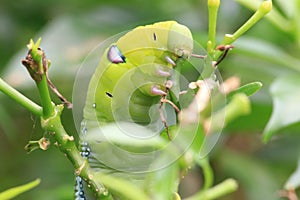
[65, 142]
[275, 16]
[20, 98]
[47, 105]
[42, 84]
[67, 145]
[37, 66]
[226, 187]
[264, 9]
[213, 7]
[207, 172]
[15, 191]
[50, 120]
[50, 117]
[297, 24]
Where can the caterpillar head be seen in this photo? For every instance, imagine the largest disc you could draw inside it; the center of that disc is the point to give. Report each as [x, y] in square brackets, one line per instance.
[180, 40]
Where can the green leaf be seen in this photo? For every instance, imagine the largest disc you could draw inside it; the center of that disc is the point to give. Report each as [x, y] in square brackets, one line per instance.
[294, 180]
[286, 110]
[222, 189]
[238, 106]
[120, 134]
[289, 8]
[269, 52]
[121, 187]
[248, 89]
[15, 191]
[164, 181]
[208, 174]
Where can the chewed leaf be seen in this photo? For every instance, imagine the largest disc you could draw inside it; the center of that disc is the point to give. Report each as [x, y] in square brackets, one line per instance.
[248, 89]
[13, 192]
[286, 109]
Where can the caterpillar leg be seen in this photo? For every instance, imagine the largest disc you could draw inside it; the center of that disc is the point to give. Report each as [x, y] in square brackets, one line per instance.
[163, 100]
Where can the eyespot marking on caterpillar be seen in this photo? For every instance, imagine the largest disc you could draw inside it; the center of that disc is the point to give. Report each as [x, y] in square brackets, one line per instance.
[115, 55]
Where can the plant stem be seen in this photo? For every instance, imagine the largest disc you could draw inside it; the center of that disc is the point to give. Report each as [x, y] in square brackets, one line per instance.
[20, 98]
[39, 58]
[67, 145]
[207, 172]
[297, 24]
[37, 66]
[15, 191]
[275, 16]
[226, 187]
[264, 9]
[213, 7]
[47, 105]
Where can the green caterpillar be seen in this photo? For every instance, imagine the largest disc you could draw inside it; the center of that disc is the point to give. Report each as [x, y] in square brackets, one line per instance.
[127, 86]
[149, 52]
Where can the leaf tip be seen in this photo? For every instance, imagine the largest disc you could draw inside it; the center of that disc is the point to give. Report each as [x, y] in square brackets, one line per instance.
[266, 137]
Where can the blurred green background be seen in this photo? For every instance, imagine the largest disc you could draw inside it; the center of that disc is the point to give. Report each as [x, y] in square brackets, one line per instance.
[71, 29]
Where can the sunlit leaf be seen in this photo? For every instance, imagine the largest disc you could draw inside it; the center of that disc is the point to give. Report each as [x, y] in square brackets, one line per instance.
[122, 187]
[266, 51]
[164, 181]
[286, 109]
[13, 192]
[248, 89]
[294, 180]
[288, 7]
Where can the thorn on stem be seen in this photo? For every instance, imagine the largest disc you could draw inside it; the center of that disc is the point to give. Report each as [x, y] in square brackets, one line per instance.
[225, 49]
